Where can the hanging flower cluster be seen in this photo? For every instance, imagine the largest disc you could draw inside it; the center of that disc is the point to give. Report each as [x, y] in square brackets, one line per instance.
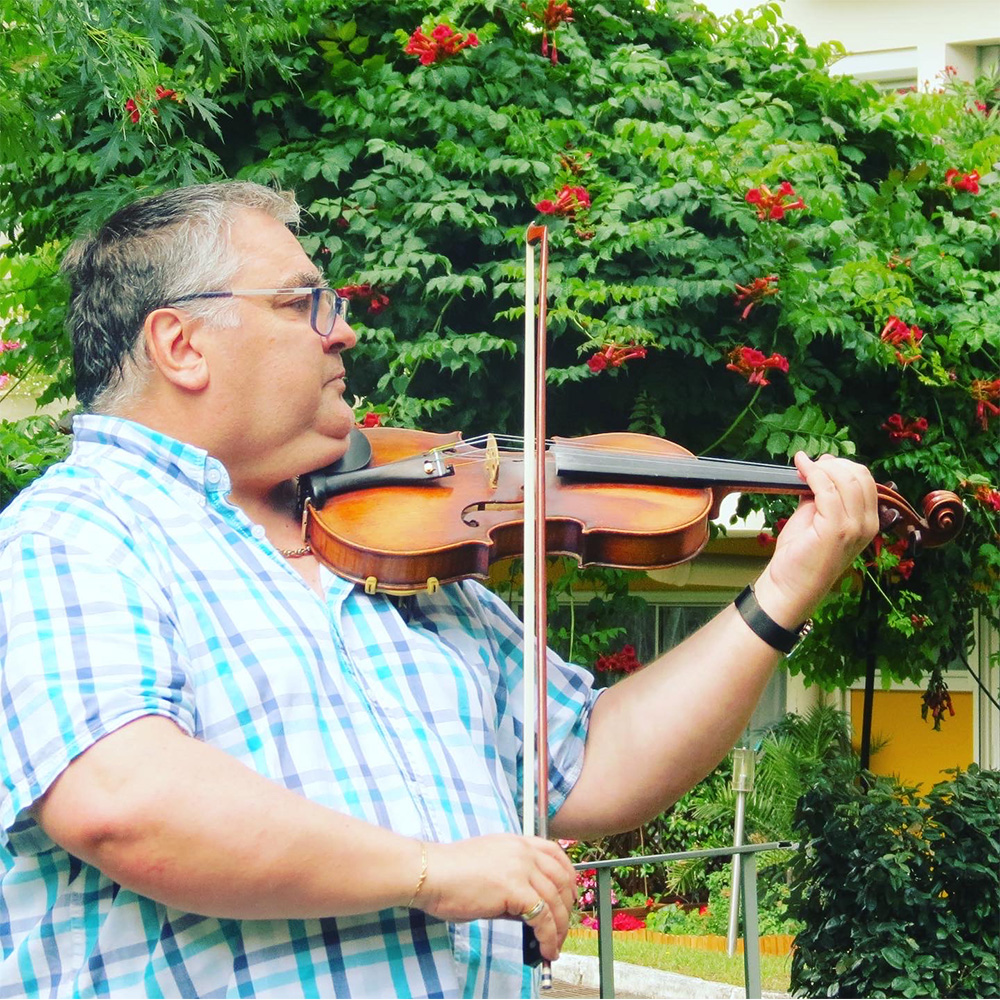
[904, 338]
[752, 364]
[963, 182]
[134, 105]
[614, 356]
[377, 301]
[4, 379]
[571, 199]
[900, 429]
[443, 42]
[370, 419]
[989, 497]
[772, 204]
[550, 17]
[755, 293]
[894, 261]
[936, 700]
[622, 662]
[984, 391]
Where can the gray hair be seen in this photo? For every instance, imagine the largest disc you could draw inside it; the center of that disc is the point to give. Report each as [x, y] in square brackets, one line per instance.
[145, 256]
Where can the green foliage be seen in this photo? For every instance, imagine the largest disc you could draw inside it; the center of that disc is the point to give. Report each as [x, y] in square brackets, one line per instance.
[420, 180]
[713, 918]
[677, 829]
[677, 919]
[786, 760]
[899, 897]
[26, 446]
[583, 633]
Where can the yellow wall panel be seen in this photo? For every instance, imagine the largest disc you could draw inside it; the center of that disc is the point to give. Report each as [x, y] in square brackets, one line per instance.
[914, 751]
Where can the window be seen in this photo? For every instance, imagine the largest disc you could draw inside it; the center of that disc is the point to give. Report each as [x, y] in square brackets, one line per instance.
[987, 59]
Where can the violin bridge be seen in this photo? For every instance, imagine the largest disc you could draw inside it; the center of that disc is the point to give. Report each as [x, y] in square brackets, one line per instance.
[492, 463]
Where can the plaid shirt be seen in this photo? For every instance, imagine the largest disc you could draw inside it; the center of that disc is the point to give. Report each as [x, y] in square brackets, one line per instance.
[130, 586]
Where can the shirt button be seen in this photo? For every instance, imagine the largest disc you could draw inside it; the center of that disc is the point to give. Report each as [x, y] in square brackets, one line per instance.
[257, 531]
[213, 475]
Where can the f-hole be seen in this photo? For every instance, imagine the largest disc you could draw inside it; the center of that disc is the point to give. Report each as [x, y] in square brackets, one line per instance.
[468, 511]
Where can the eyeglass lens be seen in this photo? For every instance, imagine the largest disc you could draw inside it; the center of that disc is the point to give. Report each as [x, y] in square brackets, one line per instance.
[327, 307]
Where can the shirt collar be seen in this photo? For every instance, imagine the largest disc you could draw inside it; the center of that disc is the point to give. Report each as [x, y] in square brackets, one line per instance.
[140, 447]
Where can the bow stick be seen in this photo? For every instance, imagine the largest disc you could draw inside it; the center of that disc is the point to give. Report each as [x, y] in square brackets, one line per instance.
[535, 805]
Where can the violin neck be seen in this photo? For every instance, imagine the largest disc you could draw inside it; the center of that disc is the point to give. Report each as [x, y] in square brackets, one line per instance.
[688, 472]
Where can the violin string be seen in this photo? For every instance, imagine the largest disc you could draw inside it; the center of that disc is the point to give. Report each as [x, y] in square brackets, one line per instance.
[624, 462]
[470, 451]
[681, 465]
[680, 461]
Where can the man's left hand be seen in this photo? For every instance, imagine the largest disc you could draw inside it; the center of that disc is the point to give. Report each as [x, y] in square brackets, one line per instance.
[821, 539]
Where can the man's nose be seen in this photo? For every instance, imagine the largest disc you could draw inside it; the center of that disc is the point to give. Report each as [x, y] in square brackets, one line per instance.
[341, 338]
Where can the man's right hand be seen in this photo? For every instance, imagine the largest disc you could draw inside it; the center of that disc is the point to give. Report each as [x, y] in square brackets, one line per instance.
[502, 875]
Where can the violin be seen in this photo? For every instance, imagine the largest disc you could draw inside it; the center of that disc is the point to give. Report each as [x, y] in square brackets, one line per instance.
[406, 511]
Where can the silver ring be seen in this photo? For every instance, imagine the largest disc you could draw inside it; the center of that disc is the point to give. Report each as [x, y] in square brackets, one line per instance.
[534, 912]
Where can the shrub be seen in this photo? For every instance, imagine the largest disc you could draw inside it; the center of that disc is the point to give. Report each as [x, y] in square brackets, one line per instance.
[899, 897]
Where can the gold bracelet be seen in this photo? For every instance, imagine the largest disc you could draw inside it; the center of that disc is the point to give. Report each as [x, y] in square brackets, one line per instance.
[423, 875]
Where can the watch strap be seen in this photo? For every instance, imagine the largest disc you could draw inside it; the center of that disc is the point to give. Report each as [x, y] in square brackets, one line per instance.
[765, 627]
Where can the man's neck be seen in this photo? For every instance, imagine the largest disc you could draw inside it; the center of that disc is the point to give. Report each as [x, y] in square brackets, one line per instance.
[276, 506]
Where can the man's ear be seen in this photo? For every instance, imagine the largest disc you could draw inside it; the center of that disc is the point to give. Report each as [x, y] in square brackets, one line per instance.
[171, 344]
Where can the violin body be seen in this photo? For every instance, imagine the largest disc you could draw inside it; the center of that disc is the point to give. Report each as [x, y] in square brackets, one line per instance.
[430, 509]
[455, 527]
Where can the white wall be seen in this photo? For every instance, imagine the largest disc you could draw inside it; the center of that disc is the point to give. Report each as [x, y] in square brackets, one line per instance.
[16, 407]
[896, 40]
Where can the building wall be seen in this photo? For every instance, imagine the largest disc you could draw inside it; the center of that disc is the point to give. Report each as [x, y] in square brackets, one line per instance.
[897, 42]
[911, 748]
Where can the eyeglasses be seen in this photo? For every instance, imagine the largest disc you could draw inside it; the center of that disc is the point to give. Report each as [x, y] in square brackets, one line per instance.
[325, 305]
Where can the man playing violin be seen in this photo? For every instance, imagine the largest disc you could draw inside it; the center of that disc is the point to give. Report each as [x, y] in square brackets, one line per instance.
[227, 771]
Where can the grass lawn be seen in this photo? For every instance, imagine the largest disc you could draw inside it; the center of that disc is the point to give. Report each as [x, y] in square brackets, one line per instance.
[714, 966]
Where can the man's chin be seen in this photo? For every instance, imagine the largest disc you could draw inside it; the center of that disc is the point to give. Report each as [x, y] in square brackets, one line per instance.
[331, 449]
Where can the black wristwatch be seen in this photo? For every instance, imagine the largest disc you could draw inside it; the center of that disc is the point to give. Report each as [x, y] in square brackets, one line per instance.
[764, 626]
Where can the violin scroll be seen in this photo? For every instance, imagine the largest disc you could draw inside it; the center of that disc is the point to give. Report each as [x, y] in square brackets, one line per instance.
[944, 513]
[943, 517]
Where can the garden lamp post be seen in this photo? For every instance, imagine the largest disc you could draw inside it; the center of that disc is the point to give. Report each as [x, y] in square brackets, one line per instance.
[743, 770]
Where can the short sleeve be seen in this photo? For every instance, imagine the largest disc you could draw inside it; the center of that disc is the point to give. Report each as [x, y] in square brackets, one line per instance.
[571, 692]
[87, 644]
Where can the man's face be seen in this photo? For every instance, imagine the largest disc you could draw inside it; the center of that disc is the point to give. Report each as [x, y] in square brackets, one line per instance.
[277, 386]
